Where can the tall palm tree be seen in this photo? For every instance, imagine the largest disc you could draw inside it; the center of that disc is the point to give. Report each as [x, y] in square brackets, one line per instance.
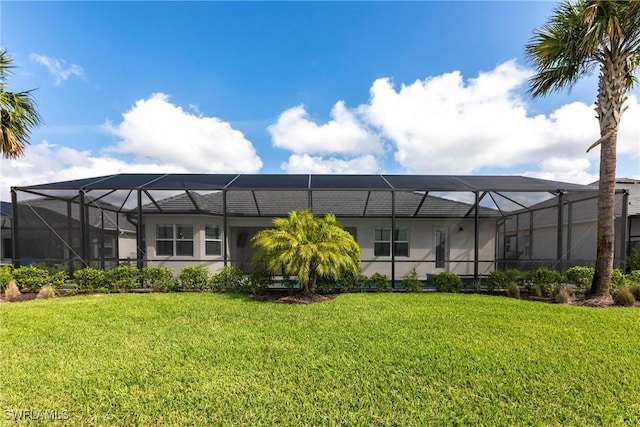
[579, 37]
[18, 114]
[308, 247]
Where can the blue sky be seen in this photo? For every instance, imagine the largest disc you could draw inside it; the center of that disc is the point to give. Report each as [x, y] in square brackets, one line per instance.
[295, 87]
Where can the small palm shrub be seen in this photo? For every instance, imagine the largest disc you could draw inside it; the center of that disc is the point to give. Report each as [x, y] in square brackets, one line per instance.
[513, 290]
[123, 278]
[580, 276]
[12, 290]
[476, 287]
[411, 283]
[560, 293]
[379, 282]
[46, 292]
[89, 279]
[623, 296]
[229, 279]
[447, 282]
[194, 278]
[158, 278]
[31, 278]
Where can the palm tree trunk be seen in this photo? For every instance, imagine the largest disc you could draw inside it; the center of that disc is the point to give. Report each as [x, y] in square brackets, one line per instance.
[611, 90]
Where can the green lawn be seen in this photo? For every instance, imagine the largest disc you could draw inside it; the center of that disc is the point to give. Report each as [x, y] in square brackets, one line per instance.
[361, 359]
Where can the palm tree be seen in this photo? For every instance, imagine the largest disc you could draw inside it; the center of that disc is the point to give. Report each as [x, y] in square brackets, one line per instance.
[308, 247]
[18, 115]
[579, 37]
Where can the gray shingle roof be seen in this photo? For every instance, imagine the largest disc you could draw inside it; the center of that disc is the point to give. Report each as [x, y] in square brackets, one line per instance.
[341, 203]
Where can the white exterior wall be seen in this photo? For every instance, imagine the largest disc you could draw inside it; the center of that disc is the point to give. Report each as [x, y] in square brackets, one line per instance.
[421, 243]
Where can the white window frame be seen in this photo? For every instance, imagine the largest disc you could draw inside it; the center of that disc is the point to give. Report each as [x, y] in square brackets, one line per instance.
[175, 239]
[397, 241]
[211, 239]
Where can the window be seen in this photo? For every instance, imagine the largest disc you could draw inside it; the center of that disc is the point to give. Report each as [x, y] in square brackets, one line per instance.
[382, 242]
[441, 248]
[174, 239]
[212, 240]
[525, 244]
[7, 249]
[510, 243]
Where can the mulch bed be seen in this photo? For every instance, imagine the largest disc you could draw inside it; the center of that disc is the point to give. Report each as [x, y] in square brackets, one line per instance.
[288, 297]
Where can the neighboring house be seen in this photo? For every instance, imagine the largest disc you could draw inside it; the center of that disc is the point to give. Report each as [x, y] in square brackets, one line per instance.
[530, 237]
[400, 221]
[6, 249]
[50, 230]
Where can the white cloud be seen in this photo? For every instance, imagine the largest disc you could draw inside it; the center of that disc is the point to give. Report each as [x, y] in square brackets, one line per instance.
[447, 125]
[317, 164]
[343, 134]
[156, 131]
[46, 162]
[58, 68]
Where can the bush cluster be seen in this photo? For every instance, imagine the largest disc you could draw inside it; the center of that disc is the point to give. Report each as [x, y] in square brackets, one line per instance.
[502, 279]
[580, 276]
[540, 282]
[411, 283]
[447, 282]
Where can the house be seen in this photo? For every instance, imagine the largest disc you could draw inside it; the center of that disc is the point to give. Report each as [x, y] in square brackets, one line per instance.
[50, 231]
[530, 236]
[431, 223]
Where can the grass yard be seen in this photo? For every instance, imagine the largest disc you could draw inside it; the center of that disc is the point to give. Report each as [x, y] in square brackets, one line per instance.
[360, 359]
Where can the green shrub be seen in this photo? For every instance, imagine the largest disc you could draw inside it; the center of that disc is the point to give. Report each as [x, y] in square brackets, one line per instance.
[447, 282]
[31, 278]
[379, 282]
[194, 278]
[59, 279]
[635, 290]
[123, 278]
[580, 276]
[513, 290]
[89, 279]
[633, 260]
[501, 279]
[5, 277]
[158, 278]
[326, 284]
[348, 281]
[618, 280]
[544, 276]
[229, 279]
[411, 283]
[260, 280]
[623, 296]
[634, 278]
